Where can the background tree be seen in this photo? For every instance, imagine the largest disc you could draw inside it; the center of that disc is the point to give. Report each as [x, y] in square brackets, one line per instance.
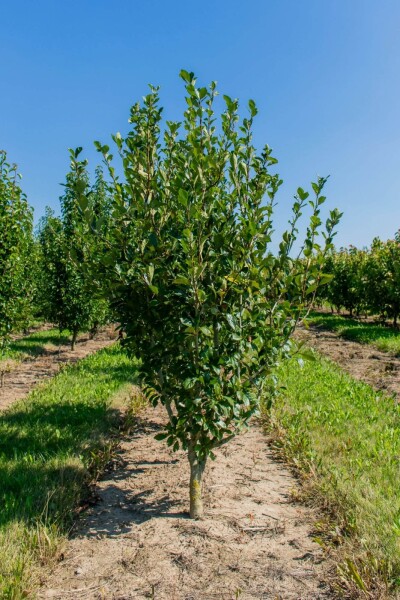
[17, 253]
[66, 295]
[383, 279]
[366, 280]
[189, 269]
[347, 286]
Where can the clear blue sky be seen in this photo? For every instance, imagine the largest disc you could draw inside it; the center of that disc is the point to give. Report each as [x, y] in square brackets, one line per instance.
[324, 73]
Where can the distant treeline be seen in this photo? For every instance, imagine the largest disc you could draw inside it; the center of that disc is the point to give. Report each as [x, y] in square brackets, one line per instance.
[365, 281]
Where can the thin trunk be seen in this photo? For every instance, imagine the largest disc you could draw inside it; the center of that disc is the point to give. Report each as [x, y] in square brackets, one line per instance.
[196, 479]
[74, 336]
[94, 331]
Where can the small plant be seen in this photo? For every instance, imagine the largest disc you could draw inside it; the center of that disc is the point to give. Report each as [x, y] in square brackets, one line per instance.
[136, 404]
[6, 366]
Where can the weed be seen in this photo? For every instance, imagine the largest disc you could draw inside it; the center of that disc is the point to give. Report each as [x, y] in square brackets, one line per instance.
[6, 366]
[136, 404]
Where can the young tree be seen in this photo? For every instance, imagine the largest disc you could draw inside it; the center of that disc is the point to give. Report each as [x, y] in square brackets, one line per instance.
[190, 272]
[66, 295]
[347, 288]
[16, 253]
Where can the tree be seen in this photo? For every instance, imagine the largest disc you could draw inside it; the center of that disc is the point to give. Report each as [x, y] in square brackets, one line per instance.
[366, 280]
[66, 295]
[347, 287]
[189, 270]
[383, 278]
[16, 253]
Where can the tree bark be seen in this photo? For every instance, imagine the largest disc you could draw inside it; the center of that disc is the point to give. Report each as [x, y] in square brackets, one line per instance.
[93, 330]
[197, 467]
[74, 336]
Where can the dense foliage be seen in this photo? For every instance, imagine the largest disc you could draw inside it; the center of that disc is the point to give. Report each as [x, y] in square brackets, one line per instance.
[189, 269]
[17, 253]
[367, 280]
[66, 296]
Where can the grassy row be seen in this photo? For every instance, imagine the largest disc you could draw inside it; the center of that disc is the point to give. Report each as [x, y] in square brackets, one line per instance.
[345, 438]
[50, 444]
[385, 338]
[34, 344]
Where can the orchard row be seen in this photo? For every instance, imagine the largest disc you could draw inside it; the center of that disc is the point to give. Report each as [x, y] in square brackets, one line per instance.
[365, 281]
[45, 275]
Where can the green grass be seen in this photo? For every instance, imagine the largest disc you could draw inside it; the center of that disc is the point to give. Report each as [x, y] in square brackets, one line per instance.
[50, 445]
[385, 338]
[34, 344]
[345, 438]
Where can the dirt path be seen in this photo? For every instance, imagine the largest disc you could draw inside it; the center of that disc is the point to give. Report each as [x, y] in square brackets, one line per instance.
[25, 375]
[137, 541]
[361, 361]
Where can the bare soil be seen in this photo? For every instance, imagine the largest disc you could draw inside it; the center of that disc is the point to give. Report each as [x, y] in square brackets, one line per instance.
[25, 375]
[362, 361]
[138, 542]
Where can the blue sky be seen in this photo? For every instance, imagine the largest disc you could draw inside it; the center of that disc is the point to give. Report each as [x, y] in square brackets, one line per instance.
[325, 75]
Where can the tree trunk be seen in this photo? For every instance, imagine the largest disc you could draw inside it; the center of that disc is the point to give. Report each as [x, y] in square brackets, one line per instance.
[196, 477]
[93, 330]
[74, 336]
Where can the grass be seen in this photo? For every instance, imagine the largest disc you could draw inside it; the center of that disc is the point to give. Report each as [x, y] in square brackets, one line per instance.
[34, 344]
[385, 338]
[344, 437]
[51, 445]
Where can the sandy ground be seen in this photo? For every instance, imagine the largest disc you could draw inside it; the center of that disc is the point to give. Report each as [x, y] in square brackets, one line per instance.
[138, 542]
[255, 542]
[23, 376]
[361, 361]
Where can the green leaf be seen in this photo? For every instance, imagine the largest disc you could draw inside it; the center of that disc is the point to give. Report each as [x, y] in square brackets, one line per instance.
[181, 280]
[183, 197]
[186, 76]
